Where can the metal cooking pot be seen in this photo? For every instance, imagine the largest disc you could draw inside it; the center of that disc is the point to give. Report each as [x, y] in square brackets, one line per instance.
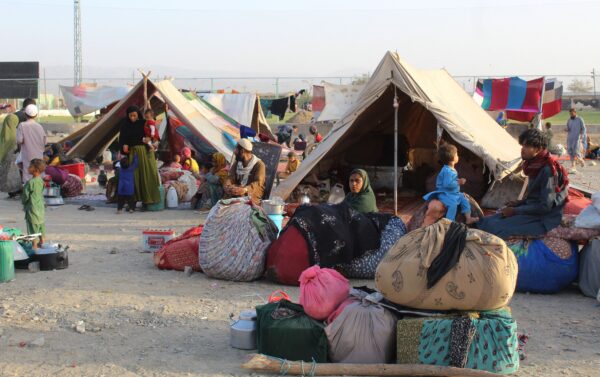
[52, 192]
[272, 208]
[52, 257]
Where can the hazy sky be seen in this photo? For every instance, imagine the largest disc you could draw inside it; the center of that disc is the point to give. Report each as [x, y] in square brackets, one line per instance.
[308, 37]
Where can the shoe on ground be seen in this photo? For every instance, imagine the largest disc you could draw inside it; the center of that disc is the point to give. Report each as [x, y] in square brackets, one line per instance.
[573, 171]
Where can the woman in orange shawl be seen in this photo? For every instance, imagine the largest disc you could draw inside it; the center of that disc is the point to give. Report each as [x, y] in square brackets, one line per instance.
[211, 189]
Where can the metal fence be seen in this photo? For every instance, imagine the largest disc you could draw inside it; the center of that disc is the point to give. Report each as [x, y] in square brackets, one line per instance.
[49, 93]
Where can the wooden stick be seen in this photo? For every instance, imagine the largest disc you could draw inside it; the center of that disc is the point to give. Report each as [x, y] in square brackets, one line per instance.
[263, 363]
[146, 99]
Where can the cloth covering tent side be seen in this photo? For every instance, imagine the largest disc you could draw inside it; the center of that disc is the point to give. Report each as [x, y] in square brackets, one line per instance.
[198, 126]
[428, 100]
[244, 108]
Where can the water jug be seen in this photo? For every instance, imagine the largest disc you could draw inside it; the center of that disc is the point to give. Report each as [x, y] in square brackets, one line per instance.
[243, 331]
[337, 194]
[172, 201]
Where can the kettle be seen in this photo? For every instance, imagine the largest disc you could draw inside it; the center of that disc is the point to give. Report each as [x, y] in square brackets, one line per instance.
[243, 331]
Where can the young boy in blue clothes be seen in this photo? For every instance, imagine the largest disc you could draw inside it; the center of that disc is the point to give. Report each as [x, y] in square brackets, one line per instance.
[125, 188]
[447, 187]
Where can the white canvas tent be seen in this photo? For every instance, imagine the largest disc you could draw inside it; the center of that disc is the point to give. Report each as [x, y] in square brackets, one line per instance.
[429, 102]
[244, 108]
[106, 129]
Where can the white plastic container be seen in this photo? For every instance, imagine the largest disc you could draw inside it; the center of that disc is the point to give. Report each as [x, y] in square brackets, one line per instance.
[172, 201]
[153, 240]
[337, 194]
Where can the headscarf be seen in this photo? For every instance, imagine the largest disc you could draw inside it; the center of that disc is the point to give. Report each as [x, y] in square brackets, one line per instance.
[220, 166]
[532, 167]
[186, 153]
[8, 135]
[364, 201]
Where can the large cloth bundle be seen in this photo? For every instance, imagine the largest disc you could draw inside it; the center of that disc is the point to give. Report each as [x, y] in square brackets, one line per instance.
[322, 291]
[191, 183]
[285, 331]
[180, 252]
[589, 269]
[364, 332]
[485, 341]
[234, 241]
[364, 266]
[337, 234]
[287, 257]
[545, 266]
[483, 277]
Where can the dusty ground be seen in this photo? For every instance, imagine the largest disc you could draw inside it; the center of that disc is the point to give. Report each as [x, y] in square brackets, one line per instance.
[144, 322]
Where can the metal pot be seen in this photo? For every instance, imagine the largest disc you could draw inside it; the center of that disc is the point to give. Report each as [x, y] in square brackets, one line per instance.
[272, 208]
[55, 201]
[52, 192]
[52, 258]
[243, 331]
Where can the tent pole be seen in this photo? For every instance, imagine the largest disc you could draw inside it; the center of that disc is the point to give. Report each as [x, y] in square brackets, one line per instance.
[541, 113]
[395, 104]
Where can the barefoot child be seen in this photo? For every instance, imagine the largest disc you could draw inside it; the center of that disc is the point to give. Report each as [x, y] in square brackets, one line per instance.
[33, 201]
[151, 130]
[448, 188]
[125, 188]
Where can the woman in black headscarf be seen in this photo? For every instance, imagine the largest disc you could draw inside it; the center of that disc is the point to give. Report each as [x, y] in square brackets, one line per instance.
[131, 143]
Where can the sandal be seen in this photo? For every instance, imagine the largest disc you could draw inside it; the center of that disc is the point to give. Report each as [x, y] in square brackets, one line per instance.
[84, 207]
[90, 208]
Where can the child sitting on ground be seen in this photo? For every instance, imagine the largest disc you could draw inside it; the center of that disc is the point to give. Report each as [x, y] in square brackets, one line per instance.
[33, 202]
[448, 189]
[125, 188]
[151, 130]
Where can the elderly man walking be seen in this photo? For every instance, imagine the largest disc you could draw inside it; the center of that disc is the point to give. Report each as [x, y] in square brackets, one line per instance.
[31, 139]
[576, 137]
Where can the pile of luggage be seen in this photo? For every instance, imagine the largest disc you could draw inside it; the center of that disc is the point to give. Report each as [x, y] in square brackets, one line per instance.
[442, 303]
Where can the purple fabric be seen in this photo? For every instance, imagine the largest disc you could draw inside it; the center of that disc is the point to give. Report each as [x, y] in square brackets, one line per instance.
[58, 176]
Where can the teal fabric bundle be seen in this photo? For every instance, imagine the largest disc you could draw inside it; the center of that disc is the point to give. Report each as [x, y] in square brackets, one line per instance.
[484, 340]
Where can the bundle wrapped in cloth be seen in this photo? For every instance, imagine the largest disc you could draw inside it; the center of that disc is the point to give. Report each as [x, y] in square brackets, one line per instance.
[361, 331]
[477, 340]
[234, 241]
[446, 266]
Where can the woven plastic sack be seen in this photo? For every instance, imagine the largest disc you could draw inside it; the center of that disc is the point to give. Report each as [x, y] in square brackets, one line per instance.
[364, 332]
[231, 247]
[180, 252]
[322, 290]
[190, 181]
[483, 279]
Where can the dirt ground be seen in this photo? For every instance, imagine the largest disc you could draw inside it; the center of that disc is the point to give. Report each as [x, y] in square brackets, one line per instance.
[140, 321]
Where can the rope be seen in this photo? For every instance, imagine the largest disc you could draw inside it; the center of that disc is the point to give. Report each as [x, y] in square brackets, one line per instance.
[285, 366]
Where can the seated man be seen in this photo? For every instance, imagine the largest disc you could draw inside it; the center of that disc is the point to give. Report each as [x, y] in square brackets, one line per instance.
[247, 174]
[547, 191]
